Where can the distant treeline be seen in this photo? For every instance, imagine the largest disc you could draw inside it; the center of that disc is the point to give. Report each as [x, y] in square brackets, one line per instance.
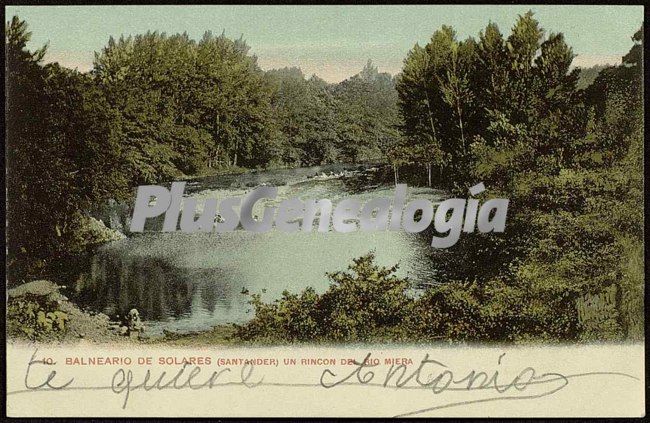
[157, 107]
[184, 106]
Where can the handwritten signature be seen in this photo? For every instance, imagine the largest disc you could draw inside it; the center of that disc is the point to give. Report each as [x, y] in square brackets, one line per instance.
[429, 374]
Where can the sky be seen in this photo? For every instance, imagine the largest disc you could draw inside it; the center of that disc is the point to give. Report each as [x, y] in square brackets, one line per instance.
[334, 42]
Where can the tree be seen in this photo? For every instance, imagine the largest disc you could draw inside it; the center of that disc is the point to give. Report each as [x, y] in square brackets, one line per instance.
[455, 85]
[186, 104]
[305, 114]
[399, 155]
[63, 157]
[368, 115]
[436, 98]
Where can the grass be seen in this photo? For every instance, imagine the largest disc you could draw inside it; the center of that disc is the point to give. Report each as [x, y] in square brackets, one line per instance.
[218, 335]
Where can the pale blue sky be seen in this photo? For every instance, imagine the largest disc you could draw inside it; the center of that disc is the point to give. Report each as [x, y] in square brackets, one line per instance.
[332, 41]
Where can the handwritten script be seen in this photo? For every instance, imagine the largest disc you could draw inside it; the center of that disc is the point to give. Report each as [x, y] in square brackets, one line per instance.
[429, 374]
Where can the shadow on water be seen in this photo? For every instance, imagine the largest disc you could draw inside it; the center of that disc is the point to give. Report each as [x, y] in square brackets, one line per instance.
[157, 287]
[186, 282]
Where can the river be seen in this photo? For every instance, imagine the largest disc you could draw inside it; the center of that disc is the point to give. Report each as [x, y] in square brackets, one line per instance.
[190, 282]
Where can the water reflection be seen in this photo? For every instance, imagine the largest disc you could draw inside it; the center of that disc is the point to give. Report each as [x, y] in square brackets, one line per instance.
[188, 282]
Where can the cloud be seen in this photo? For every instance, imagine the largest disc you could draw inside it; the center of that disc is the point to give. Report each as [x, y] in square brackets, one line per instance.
[82, 61]
[590, 60]
[329, 67]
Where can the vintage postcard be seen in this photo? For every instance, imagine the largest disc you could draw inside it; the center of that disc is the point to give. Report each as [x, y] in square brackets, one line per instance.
[324, 211]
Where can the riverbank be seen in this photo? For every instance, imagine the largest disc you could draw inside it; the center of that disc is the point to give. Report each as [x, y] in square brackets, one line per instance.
[38, 311]
[218, 335]
[192, 282]
[188, 288]
[64, 319]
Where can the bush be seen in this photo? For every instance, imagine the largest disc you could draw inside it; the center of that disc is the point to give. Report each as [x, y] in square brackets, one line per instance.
[368, 302]
[35, 317]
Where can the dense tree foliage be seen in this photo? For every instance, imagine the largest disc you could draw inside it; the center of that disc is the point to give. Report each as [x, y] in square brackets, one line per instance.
[368, 114]
[465, 98]
[355, 120]
[506, 110]
[63, 156]
[306, 115]
[185, 105]
[157, 107]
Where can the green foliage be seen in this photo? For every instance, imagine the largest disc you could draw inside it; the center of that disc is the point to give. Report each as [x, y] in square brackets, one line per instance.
[355, 120]
[367, 115]
[34, 317]
[362, 304]
[63, 156]
[306, 118]
[569, 160]
[477, 97]
[370, 303]
[632, 287]
[587, 76]
[508, 112]
[565, 147]
[158, 107]
[184, 104]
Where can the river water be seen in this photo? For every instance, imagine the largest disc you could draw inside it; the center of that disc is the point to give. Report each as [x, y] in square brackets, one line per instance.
[189, 282]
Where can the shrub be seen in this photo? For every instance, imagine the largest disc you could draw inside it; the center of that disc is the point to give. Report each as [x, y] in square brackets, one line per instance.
[34, 317]
[370, 303]
[364, 303]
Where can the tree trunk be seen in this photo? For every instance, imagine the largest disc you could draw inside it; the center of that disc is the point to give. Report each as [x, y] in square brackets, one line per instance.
[433, 128]
[429, 173]
[234, 159]
[396, 174]
[215, 158]
[462, 131]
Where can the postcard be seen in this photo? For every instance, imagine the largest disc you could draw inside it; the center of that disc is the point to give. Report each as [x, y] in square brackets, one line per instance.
[325, 211]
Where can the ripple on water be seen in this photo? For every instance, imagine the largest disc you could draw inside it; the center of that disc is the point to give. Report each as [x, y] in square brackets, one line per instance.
[188, 282]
